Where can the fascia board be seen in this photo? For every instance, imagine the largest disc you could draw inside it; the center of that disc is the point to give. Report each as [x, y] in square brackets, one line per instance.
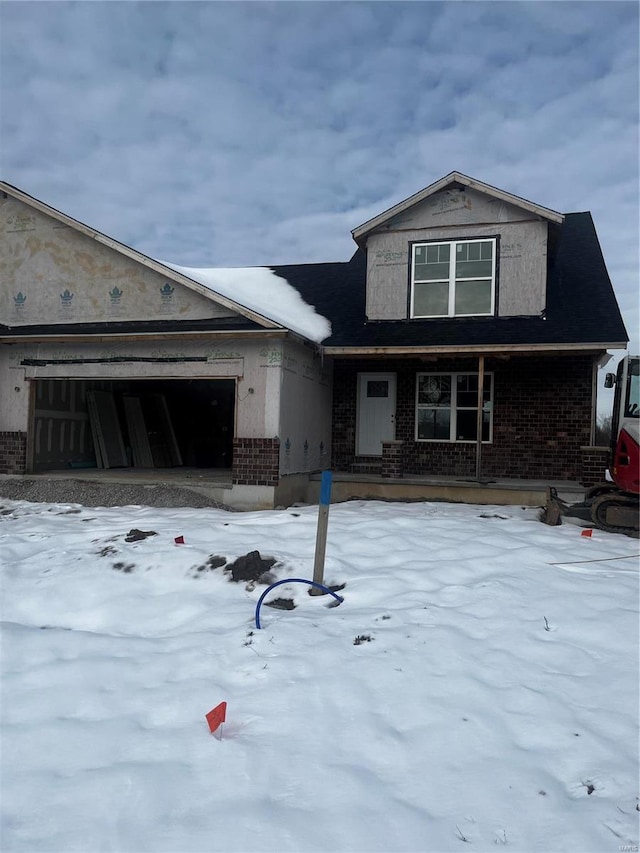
[357, 352]
[455, 177]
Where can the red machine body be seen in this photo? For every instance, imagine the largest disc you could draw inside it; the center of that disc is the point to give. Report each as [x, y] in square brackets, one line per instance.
[613, 505]
[625, 426]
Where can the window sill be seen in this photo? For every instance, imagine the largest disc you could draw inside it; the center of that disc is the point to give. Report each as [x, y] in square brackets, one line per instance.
[471, 441]
[451, 316]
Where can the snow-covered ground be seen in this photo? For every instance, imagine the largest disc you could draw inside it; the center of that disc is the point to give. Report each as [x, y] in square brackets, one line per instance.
[477, 689]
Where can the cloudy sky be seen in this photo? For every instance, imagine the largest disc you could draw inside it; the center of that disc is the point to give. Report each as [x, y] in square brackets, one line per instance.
[242, 133]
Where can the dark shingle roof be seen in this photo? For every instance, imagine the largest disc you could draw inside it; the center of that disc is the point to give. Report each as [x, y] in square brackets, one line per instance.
[581, 304]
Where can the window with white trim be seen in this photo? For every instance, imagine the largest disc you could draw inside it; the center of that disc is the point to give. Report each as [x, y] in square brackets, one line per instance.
[456, 278]
[447, 407]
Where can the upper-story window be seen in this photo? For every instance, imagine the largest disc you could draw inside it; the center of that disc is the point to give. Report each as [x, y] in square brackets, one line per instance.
[456, 278]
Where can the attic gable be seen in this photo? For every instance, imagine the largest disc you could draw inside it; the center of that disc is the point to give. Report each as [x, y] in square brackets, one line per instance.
[93, 278]
[53, 274]
[26, 220]
[446, 188]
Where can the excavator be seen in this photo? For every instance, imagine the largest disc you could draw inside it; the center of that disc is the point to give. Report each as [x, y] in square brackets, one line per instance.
[613, 505]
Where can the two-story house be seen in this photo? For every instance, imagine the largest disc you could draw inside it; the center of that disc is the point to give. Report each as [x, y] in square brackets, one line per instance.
[466, 335]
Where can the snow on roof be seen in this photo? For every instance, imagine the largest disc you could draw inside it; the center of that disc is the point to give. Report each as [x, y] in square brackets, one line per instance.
[261, 290]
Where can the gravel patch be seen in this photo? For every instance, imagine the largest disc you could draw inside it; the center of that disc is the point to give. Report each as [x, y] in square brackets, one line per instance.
[90, 493]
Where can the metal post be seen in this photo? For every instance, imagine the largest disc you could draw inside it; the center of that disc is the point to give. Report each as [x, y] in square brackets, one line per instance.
[480, 415]
[321, 537]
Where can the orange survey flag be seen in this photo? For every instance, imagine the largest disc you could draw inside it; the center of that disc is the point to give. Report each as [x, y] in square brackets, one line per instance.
[216, 716]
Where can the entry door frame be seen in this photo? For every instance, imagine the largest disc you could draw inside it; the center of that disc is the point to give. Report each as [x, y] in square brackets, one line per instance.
[375, 422]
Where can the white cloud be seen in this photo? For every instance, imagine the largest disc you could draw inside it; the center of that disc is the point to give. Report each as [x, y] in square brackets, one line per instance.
[229, 134]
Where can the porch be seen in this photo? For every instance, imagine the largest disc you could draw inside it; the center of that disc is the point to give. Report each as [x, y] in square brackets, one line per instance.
[501, 491]
[485, 418]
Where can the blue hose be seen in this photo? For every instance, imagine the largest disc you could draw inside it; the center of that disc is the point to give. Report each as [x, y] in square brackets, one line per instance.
[325, 589]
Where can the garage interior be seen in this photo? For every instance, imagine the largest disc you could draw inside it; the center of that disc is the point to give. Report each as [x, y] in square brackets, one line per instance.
[138, 424]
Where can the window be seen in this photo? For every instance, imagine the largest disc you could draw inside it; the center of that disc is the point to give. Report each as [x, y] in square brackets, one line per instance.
[447, 407]
[453, 279]
[378, 388]
[632, 392]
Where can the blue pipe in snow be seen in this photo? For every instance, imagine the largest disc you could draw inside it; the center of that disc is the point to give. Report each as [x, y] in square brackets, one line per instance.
[325, 589]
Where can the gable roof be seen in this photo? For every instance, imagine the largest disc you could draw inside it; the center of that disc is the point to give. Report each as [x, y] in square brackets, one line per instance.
[166, 271]
[581, 308]
[452, 178]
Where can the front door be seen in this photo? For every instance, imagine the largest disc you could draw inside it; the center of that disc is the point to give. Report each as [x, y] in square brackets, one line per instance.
[376, 412]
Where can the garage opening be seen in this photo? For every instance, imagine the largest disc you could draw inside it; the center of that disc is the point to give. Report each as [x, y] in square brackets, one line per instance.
[150, 423]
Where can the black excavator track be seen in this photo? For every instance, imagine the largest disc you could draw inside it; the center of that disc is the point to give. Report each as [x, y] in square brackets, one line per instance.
[604, 506]
[616, 513]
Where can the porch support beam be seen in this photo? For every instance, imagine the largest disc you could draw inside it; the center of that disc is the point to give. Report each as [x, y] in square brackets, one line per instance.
[480, 413]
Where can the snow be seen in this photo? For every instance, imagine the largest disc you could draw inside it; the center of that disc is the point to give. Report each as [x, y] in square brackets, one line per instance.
[261, 290]
[494, 704]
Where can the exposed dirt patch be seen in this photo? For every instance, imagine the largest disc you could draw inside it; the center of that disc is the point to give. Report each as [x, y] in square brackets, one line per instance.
[214, 562]
[39, 489]
[127, 568]
[136, 535]
[107, 551]
[336, 587]
[281, 604]
[250, 567]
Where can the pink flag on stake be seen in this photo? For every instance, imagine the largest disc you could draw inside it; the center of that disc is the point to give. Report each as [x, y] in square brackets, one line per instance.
[179, 540]
[216, 716]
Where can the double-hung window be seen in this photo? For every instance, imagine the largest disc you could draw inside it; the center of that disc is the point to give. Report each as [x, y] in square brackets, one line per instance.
[456, 278]
[447, 407]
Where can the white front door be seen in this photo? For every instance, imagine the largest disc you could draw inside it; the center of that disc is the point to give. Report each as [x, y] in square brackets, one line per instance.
[376, 412]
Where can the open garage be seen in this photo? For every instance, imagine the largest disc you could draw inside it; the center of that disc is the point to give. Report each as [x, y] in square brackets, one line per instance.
[146, 423]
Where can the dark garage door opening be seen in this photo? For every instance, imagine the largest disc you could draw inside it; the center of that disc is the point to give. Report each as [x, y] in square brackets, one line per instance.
[145, 423]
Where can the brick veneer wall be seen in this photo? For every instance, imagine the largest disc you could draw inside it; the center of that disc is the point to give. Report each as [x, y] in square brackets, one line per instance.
[392, 459]
[256, 461]
[13, 452]
[595, 461]
[343, 416]
[541, 417]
